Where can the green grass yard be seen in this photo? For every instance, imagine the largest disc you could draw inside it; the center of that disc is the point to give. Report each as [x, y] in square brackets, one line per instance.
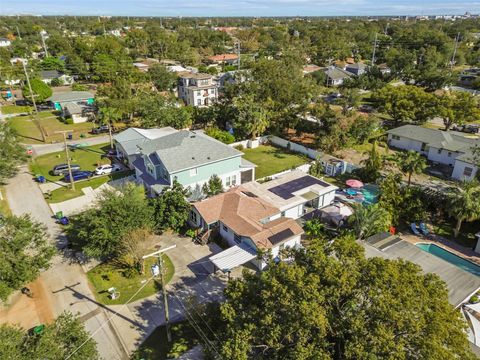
[30, 134]
[88, 158]
[271, 160]
[12, 109]
[156, 346]
[106, 275]
[467, 232]
[4, 208]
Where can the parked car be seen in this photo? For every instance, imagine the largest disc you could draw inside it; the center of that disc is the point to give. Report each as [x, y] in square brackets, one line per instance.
[62, 169]
[107, 169]
[468, 128]
[100, 129]
[78, 175]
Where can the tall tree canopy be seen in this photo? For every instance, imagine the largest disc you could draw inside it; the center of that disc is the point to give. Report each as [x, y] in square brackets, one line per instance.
[331, 302]
[12, 154]
[41, 91]
[24, 252]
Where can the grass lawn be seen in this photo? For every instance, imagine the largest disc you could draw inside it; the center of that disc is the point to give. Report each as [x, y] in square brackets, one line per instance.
[467, 232]
[271, 160]
[105, 276]
[65, 193]
[157, 347]
[12, 109]
[30, 134]
[4, 209]
[88, 158]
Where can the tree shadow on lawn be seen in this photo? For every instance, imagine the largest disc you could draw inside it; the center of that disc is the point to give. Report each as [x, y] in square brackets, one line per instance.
[277, 153]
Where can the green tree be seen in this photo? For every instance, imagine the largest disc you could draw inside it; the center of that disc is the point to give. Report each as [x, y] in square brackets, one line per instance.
[406, 103]
[316, 168]
[350, 99]
[251, 117]
[213, 186]
[65, 337]
[41, 91]
[12, 154]
[391, 196]
[220, 135]
[410, 162]
[369, 220]
[161, 77]
[24, 252]
[457, 108]
[171, 208]
[108, 115]
[52, 63]
[157, 111]
[464, 204]
[372, 165]
[330, 302]
[98, 231]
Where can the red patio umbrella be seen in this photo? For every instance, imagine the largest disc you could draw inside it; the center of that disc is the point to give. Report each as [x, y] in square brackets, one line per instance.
[354, 183]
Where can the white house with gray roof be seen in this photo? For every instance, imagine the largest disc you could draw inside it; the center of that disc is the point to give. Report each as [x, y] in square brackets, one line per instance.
[450, 148]
[336, 76]
[190, 158]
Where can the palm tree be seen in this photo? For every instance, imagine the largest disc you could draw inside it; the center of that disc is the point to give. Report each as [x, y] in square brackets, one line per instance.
[410, 162]
[107, 116]
[464, 203]
[369, 220]
[372, 165]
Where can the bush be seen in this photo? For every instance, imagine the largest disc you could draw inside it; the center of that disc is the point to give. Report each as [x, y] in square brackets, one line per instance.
[220, 135]
[239, 147]
[474, 299]
[191, 233]
[79, 87]
[68, 121]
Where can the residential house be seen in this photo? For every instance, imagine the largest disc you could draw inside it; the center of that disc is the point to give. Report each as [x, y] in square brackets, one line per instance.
[18, 61]
[197, 89]
[48, 75]
[384, 69]
[191, 158]
[75, 104]
[356, 69]
[247, 223]
[4, 42]
[461, 285]
[451, 148]
[336, 76]
[146, 64]
[227, 59]
[127, 143]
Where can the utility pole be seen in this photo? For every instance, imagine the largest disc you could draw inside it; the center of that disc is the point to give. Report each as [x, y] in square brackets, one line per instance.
[18, 32]
[164, 290]
[33, 101]
[455, 50]
[238, 54]
[374, 49]
[64, 132]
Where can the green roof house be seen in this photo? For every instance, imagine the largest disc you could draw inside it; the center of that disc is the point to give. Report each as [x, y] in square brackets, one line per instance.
[74, 104]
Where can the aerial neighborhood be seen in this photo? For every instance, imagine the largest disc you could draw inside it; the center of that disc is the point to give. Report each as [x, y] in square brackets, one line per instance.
[239, 187]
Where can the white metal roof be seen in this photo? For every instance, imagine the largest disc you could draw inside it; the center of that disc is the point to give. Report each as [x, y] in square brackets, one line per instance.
[232, 257]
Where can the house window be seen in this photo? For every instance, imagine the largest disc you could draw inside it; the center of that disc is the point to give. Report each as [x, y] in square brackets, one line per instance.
[194, 172]
[449, 154]
[227, 181]
[212, 91]
[237, 238]
[199, 93]
[439, 151]
[193, 216]
[234, 180]
[225, 228]
[199, 102]
[395, 137]
[282, 213]
[467, 171]
[424, 145]
[150, 169]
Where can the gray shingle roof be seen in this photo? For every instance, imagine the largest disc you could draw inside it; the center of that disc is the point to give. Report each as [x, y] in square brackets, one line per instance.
[460, 284]
[131, 138]
[448, 140]
[360, 66]
[186, 149]
[71, 96]
[336, 73]
[50, 74]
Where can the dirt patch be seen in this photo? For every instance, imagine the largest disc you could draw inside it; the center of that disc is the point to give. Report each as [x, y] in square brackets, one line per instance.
[303, 138]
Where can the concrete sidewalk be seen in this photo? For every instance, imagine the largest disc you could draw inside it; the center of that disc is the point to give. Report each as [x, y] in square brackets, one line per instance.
[42, 149]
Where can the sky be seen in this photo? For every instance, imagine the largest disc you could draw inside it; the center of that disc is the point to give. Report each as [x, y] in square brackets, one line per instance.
[238, 7]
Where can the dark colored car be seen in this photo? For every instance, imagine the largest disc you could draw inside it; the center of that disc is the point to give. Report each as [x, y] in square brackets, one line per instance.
[100, 129]
[62, 169]
[78, 175]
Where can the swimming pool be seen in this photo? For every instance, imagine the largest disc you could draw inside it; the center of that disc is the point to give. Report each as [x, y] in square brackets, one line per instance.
[370, 193]
[450, 257]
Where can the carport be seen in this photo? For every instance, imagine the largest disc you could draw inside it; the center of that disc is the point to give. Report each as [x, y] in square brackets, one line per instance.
[232, 257]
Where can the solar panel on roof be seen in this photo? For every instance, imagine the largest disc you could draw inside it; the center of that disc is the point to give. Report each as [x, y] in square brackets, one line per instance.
[285, 191]
[279, 237]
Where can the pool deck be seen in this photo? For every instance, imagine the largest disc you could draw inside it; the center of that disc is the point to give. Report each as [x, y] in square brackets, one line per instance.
[462, 251]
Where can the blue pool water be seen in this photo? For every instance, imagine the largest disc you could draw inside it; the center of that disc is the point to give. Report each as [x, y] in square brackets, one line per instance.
[450, 257]
[370, 193]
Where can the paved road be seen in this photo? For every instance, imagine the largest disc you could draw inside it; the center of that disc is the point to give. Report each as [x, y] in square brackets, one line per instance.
[41, 149]
[65, 283]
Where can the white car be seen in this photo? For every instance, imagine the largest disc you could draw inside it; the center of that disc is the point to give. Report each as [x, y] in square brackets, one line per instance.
[107, 169]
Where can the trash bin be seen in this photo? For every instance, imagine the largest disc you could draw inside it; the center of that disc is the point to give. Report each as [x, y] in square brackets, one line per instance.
[59, 215]
[70, 136]
[41, 179]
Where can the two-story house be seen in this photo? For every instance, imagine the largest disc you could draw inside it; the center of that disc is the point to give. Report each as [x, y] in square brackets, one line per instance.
[190, 158]
[450, 148]
[197, 89]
